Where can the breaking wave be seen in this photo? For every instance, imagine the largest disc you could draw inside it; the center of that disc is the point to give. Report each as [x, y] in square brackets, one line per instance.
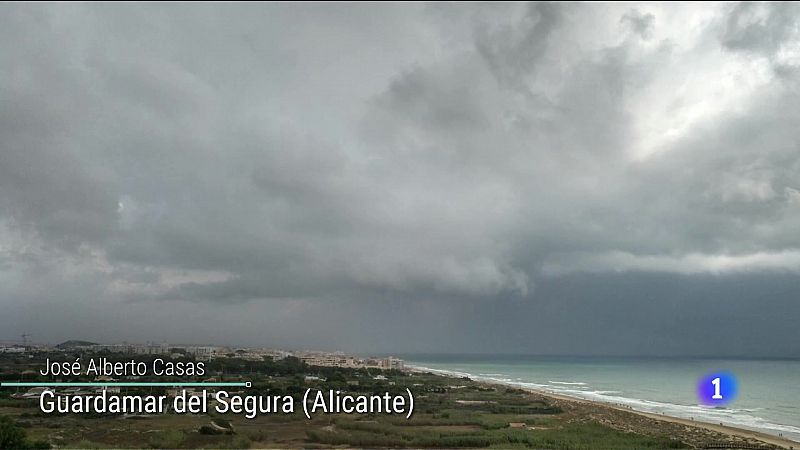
[741, 417]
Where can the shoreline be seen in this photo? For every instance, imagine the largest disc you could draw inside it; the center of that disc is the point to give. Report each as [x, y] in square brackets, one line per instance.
[579, 404]
[745, 433]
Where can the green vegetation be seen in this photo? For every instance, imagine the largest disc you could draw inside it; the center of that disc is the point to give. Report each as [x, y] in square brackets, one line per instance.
[449, 412]
[167, 439]
[12, 436]
[572, 436]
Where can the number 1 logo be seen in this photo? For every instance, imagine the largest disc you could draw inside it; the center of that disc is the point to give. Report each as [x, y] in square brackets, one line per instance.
[717, 389]
[717, 395]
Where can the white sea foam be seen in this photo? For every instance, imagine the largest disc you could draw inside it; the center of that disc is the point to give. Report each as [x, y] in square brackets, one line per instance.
[742, 418]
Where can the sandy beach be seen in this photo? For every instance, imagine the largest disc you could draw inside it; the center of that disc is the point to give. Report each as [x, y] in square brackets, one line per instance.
[695, 433]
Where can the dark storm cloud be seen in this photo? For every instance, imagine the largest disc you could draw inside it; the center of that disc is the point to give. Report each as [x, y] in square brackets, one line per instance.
[417, 174]
[760, 28]
[640, 24]
[513, 50]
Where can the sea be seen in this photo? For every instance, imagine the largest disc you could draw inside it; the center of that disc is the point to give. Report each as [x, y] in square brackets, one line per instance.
[768, 397]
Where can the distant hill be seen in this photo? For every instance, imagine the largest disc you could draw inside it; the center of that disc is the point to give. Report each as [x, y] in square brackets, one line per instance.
[72, 344]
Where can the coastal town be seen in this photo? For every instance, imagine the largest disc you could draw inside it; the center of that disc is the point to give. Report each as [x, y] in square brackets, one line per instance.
[210, 352]
[451, 411]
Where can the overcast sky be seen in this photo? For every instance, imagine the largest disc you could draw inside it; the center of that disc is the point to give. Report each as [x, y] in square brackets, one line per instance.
[544, 178]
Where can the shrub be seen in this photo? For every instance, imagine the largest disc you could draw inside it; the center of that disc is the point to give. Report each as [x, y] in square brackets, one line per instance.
[12, 436]
[167, 439]
[209, 430]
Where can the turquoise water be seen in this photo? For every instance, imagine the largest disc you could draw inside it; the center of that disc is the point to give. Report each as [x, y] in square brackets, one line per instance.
[768, 399]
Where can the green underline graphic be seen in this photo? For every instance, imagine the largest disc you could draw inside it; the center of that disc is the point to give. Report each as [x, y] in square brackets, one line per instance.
[123, 384]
